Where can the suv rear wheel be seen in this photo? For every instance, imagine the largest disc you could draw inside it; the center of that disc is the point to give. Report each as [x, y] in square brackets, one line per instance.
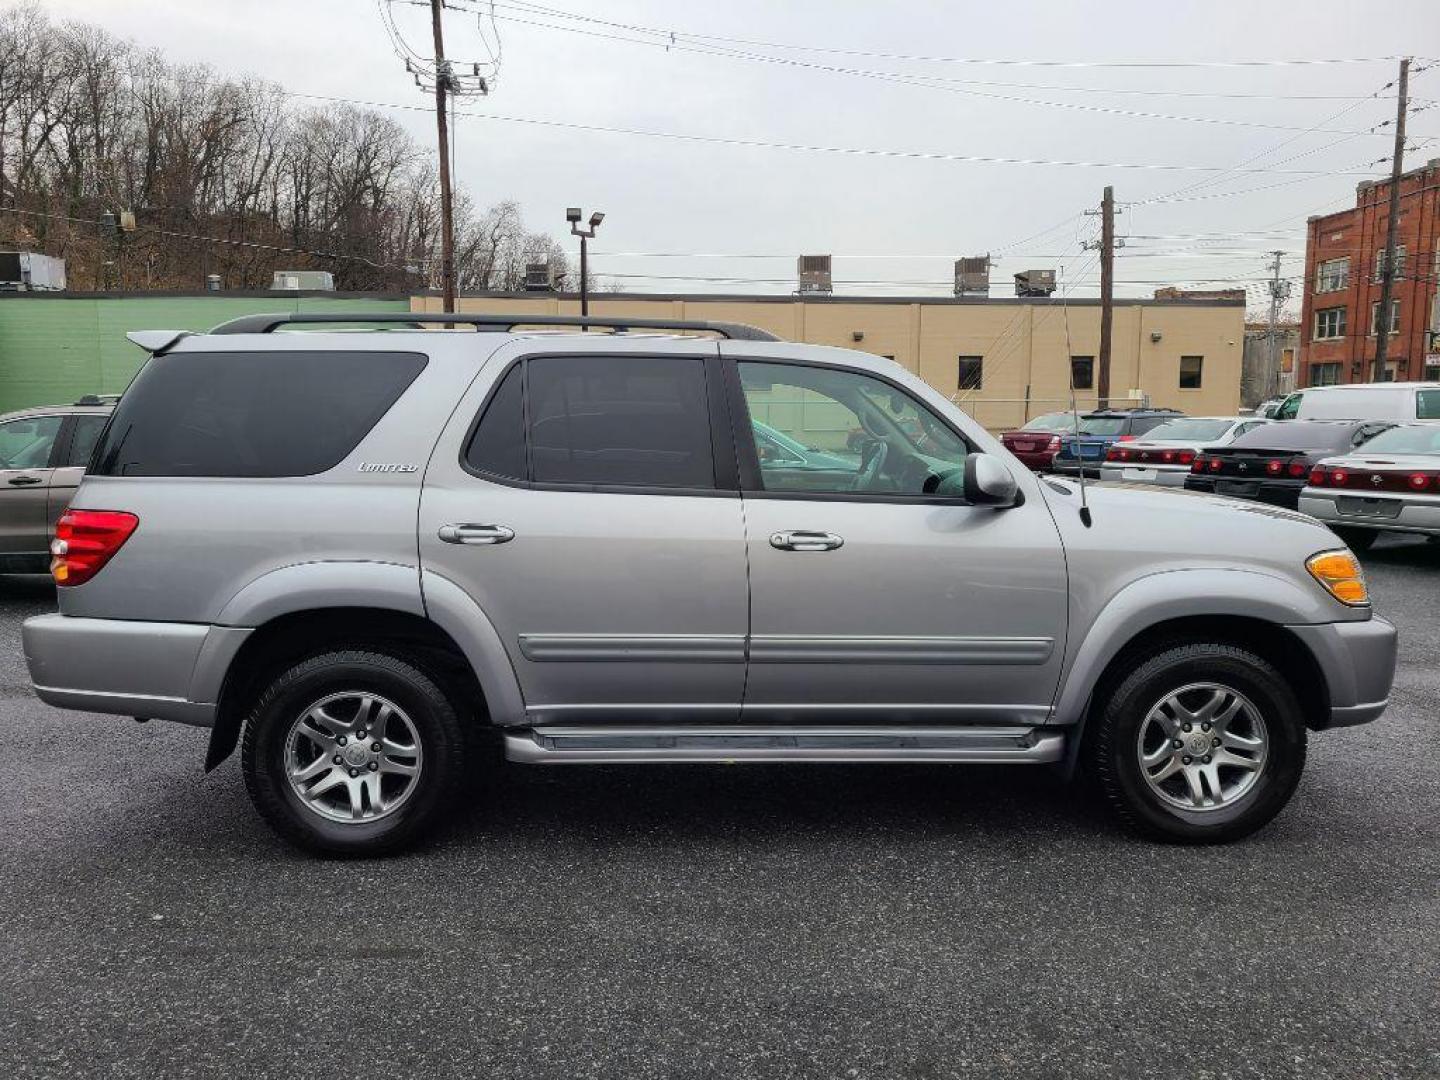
[1201, 743]
[353, 753]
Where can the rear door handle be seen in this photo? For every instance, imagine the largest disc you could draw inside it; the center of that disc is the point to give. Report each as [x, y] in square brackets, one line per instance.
[476, 534]
[21, 481]
[801, 540]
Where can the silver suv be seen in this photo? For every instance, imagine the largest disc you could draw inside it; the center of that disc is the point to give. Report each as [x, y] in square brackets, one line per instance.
[357, 551]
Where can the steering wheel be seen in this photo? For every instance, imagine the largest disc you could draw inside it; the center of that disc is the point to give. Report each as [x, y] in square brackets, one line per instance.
[872, 460]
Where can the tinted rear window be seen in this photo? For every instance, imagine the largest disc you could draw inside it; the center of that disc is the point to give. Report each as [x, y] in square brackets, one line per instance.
[1190, 429]
[1102, 425]
[1055, 421]
[251, 413]
[1297, 435]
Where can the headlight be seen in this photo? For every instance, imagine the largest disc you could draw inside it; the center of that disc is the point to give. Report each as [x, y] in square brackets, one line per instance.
[1340, 574]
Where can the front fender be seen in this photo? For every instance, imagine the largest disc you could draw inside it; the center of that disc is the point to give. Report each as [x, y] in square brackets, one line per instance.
[1178, 594]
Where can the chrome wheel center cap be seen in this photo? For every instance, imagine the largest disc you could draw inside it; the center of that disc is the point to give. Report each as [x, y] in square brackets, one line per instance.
[356, 754]
[1199, 744]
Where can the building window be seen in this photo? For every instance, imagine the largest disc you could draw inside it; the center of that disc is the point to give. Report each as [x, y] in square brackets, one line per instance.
[1082, 372]
[1332, 275]
[1324, 374]
[1392, 369]
[1394, 326]
[1329, 323]
[1190, 372]
[971, 376]
[1399, 262]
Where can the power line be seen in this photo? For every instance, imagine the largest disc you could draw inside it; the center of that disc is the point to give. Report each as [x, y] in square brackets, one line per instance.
[675, 43]
[1142, 64]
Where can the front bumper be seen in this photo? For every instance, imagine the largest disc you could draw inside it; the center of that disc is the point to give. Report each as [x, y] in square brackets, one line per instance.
[1284, 493]
[1394, 512]
[164, 671]
[1164, 475]
[1357, 660]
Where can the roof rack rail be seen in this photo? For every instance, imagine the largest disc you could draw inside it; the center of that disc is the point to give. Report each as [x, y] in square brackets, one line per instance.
[265, 324]
[97, 399]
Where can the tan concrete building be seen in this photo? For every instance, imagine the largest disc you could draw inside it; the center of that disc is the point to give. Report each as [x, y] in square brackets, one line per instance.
[1002, 360]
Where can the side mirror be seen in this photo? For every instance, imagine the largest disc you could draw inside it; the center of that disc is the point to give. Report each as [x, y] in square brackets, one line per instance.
[988, 482]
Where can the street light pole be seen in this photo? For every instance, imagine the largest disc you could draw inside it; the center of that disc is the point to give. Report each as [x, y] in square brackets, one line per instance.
[573, 215]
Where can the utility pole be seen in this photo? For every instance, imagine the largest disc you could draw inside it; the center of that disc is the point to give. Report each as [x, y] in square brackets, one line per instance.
[447, 211]
[1279, 291]
[1387, 274]
[1107, 293]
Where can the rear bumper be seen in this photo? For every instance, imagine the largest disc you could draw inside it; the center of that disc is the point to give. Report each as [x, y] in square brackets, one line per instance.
[164, 671]
[1163, 475]
[1412, 514]
[1358, 662]
[1036, 460]
[1273, 492]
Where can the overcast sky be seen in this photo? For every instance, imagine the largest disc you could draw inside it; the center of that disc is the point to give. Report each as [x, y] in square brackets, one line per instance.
[697, 198]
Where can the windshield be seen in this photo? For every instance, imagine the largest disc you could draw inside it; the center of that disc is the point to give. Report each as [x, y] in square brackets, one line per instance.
[1420, 439]
[1055, 421]
[1190, 430]
[1102, 425]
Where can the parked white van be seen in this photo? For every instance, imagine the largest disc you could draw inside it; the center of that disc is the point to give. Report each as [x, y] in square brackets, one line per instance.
[1364, 401]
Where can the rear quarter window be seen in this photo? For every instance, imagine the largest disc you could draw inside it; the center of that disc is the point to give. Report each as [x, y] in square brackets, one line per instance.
[255, 414]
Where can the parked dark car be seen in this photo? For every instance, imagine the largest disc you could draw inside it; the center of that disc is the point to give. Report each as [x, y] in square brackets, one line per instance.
[1272, 463]
[1035, 444]
[1102, 429]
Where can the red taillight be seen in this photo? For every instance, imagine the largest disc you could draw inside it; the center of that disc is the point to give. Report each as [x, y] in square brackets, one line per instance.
[1214, 464]
[1185, 457]
[1419, 481]
[1199, 466]
[1296, 469]
[84, 542]
[1274, 468]
[1317, 477]
[1339, 477]
[1125, 438]
[1117, 454]
[1054, 443]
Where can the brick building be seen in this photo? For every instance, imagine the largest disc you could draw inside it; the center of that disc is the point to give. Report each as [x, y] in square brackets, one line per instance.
[1344, 253]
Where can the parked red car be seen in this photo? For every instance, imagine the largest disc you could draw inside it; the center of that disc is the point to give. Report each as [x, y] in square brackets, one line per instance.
[1035, 444]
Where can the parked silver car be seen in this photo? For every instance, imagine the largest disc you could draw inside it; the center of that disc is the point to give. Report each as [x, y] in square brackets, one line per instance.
[353, 551]
[1166, 454]
[43, 452]
[1391, 484]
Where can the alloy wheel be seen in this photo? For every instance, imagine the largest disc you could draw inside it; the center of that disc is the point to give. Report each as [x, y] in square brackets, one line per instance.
[353, 757]
[1202, 747]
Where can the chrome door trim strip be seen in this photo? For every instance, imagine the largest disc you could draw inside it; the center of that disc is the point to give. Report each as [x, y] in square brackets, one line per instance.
[807, 649]
[622, 648]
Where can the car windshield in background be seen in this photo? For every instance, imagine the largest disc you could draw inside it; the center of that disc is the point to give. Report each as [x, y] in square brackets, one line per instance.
[1102, 425]
[1298, 435]
[1190, 429]
[1055, 421]
[1418, 439]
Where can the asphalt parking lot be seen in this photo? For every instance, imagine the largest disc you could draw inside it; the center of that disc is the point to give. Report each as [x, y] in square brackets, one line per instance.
[736, 922]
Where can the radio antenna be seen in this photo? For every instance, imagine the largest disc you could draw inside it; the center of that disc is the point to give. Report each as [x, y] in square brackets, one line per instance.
[1074, 409]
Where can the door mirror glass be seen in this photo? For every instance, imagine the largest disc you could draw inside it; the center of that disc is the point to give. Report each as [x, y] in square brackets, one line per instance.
[988, 482]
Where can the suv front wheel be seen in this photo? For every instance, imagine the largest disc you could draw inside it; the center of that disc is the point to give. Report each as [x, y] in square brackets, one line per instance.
[352, 753]
[1201, 743]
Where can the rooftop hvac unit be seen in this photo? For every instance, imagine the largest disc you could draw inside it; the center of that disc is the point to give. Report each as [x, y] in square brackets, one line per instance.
[814, 274]
[972, 276]
[319, 280]
[539, 277]
[23, 271]
[1035, 283]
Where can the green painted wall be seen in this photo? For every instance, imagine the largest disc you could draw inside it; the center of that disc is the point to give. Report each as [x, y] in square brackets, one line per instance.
[53, 350]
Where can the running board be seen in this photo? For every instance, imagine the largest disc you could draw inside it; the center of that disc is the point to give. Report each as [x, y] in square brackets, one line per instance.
[693, 745]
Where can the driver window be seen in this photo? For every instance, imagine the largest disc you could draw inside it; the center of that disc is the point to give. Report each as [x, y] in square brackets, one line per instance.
[26, 443]
[827, 431]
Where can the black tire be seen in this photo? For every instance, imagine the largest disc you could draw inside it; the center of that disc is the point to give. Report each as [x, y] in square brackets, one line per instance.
[1356, 539]
[1112, 743]
[443, 742]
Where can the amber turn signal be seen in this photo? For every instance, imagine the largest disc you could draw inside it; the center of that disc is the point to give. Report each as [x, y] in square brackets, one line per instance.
[1340, 573]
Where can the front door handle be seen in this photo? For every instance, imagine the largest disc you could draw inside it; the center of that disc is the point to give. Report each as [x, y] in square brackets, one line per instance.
[21, 481]
[800, 540]
[476, 534]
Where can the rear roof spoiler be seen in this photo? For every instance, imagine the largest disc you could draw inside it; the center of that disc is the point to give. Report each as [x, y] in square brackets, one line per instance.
[156, 342]
[266, 324]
